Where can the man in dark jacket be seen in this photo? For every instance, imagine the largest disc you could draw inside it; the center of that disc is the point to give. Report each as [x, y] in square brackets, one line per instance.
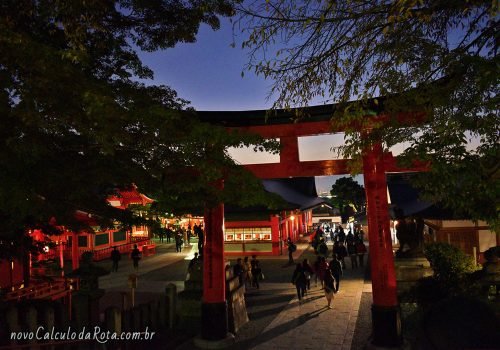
[115, 257]
[336, 268]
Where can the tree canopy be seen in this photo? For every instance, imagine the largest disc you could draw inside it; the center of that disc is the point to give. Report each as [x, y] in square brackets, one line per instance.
[435, 57]
[346, 191]
[76, 122]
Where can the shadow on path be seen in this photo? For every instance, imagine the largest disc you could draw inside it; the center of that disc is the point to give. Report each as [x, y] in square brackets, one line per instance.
[279, 330]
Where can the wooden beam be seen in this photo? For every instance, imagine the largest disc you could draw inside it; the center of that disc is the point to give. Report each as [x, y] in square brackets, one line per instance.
[322, 168]
[288, 130]
[299, 169]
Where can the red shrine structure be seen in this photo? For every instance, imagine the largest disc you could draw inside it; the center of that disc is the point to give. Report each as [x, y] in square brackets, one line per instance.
[22, 278]
[376, 163]
[259, 231]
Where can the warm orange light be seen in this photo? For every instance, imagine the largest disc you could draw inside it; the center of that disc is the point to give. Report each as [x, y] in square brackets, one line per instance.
[292, 217]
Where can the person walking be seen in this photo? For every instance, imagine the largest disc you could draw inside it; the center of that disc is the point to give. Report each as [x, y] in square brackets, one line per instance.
[238, 270]
[341, 235]
[323, 267]
[247, 272]
[200, 234]
[299, 280]
[353, 254]
[336, 269]
[308, 272]
[178, 242]
[316, 270]
[361, 250]
[291, 249]
[256, 271]
[168, 233]
[340, 250]
[329, 288]
[323, 248]
[136, 256]
[115, 257]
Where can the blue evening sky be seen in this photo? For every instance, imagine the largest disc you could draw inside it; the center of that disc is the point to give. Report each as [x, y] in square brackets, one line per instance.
[208, 73]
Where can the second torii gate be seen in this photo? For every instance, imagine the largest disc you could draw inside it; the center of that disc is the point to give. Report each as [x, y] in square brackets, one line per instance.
[385, 308]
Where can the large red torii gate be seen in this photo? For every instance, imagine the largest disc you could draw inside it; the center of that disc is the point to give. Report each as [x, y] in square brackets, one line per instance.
[385, 308]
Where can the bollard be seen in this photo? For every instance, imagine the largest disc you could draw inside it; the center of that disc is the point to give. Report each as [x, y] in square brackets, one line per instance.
[13, 324]
[80, 313]
[48, 319]
[132, 283]
[61, 315]
[145, 316]
[154, 307]
[136, 318]
[113, 319]
[171, 291]
[162, 313]
[31, 321]
[126, 320]
[125, 303]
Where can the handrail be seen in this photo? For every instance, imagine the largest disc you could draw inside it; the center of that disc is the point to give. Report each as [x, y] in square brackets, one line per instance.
[40, 290]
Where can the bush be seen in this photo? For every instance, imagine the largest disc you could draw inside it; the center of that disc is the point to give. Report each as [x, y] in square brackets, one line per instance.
[448, 262]
[453, 275]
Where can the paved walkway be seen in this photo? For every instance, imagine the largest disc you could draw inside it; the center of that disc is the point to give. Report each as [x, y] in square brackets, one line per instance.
[277, 319]
[309, 324]
[148, 287]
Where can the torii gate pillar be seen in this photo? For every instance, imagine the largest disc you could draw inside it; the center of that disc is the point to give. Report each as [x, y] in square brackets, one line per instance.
[386, 318]
[214, 319]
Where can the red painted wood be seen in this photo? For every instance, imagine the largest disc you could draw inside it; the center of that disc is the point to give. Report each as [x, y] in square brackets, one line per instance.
[289, 153]
[381, 255]
[75, 253]
[275, 231]
[322, 168]
[299, 169]
[238, 224]
[214, 275]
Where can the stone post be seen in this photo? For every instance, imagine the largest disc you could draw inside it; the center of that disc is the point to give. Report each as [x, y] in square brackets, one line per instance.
[171, 304]
[113, 319]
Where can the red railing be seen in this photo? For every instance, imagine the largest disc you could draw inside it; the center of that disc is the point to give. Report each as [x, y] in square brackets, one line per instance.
[55, 289]
[105, 253]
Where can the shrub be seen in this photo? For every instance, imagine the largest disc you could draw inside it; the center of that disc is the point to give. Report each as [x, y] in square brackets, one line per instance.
[453, 275]
[448, 262]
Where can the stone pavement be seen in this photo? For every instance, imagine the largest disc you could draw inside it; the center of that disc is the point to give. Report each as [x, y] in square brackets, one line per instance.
[148, 288]
[309, 324]
[277, 319]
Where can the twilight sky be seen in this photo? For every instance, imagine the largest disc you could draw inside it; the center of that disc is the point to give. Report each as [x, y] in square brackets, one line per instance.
[208, 73]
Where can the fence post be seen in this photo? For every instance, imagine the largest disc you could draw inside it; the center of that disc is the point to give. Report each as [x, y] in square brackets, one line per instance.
[136, 318]
[154, 307]
[113, 319]
[145, 316]
[31, 321]
[171, 291]
[12, 320]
